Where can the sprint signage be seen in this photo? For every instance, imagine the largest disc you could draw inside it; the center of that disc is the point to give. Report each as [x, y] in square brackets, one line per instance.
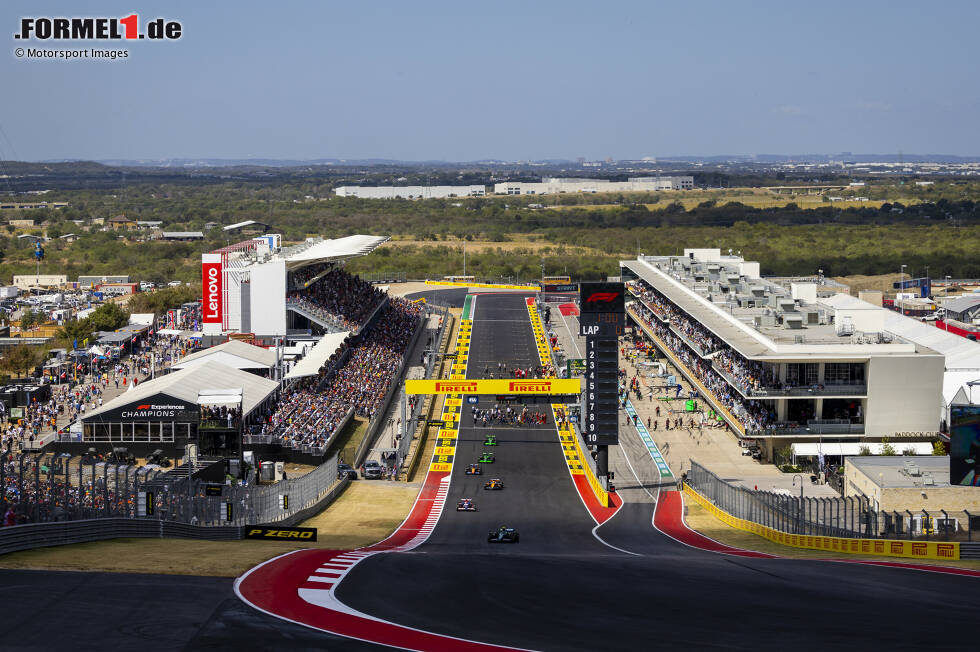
[281, 533]
[504, 386]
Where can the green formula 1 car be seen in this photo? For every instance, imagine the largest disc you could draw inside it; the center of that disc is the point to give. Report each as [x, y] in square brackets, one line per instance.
[491, 440]
[486, 458]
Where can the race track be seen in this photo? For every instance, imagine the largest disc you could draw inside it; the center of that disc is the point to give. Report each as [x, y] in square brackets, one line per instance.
[561, 588]
[568, 585]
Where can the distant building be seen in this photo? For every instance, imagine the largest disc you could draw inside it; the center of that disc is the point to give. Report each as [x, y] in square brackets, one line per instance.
[21, 224]
[410, 192]
[89, 281]
[28, 281]
[555, 185]
[964, 309]
[182, 235]
[68, 237]
[30, 206]
[121, 223]
[149, 224]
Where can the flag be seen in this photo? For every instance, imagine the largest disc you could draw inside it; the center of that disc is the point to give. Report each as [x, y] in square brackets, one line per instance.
[74, 343]
[85, 342]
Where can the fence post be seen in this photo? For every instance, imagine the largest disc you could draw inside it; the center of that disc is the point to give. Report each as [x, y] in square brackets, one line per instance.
[925, 524]
[105, 488]
[945, 525]
[37, 488]
[969, 526]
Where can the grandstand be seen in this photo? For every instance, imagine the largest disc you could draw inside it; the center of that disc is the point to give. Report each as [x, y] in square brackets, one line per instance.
[256, 286]
[778, 361]
[300, 294]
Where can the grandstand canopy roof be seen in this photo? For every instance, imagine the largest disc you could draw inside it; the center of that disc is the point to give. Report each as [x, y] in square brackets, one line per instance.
[315, 357]
[333, 250]
[235, 354]
[186, 385]
[242, 225]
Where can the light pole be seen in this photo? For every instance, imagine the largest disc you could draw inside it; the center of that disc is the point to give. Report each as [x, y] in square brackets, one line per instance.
[901, 285]
[799, 509]
[945, 301]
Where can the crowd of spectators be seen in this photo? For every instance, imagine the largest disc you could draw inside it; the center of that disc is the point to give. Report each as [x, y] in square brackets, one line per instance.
[31, 494]
[355, 380]
[754, 415]
[337, 297]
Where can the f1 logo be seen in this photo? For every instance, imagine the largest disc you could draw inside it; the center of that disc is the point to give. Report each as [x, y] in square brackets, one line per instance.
[606, 297]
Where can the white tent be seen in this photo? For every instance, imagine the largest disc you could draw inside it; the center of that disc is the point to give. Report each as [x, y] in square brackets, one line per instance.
[845, 449]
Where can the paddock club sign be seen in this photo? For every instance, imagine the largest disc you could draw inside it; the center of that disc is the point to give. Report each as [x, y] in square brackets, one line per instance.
[158, 407]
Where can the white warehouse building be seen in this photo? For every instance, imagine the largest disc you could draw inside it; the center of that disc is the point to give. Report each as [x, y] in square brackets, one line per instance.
[555, 185]
[410, 192]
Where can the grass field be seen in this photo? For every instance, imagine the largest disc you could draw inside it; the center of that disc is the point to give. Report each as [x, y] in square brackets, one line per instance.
[532, 242]
[365, 513]
[768, 200]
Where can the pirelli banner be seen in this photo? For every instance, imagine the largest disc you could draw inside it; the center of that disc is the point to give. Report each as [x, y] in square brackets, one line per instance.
[503, 386]
[945, 550]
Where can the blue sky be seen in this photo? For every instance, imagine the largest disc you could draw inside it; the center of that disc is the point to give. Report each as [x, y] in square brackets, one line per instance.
[506, 80]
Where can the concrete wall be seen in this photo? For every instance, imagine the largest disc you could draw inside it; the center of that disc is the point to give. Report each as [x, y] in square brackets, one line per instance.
[904, 394]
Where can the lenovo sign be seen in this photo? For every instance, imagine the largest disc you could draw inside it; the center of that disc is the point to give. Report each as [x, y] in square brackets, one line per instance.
[211, 281]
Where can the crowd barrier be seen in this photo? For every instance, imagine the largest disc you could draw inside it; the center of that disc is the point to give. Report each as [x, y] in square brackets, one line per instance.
[942, 550]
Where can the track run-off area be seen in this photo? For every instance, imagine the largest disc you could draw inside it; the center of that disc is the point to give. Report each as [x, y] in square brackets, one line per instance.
[584, 577]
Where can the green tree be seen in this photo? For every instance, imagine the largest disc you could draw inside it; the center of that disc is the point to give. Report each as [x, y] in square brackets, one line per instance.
[21, 359]
[74, 330]
[32, 318]
[108, 317]
[887, 448]
[864, 450]
[938, 448]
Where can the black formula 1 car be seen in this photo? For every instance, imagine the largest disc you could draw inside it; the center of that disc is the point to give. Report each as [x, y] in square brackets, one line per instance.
[465, 505]
[474, 469]
[494, 484]
[503, 535]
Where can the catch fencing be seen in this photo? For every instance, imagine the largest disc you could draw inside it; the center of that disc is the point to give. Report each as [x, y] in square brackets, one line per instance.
[49, 487]
[850, 517]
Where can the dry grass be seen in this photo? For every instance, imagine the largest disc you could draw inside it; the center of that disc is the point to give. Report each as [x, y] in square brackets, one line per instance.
[531, 241]
[365, 513]
[701, 520]
[882, 282]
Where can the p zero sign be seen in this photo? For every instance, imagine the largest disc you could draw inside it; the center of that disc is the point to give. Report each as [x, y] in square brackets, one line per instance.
[212, 308]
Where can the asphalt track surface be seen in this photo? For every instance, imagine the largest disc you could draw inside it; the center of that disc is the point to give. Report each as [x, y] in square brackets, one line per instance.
[560, 588]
